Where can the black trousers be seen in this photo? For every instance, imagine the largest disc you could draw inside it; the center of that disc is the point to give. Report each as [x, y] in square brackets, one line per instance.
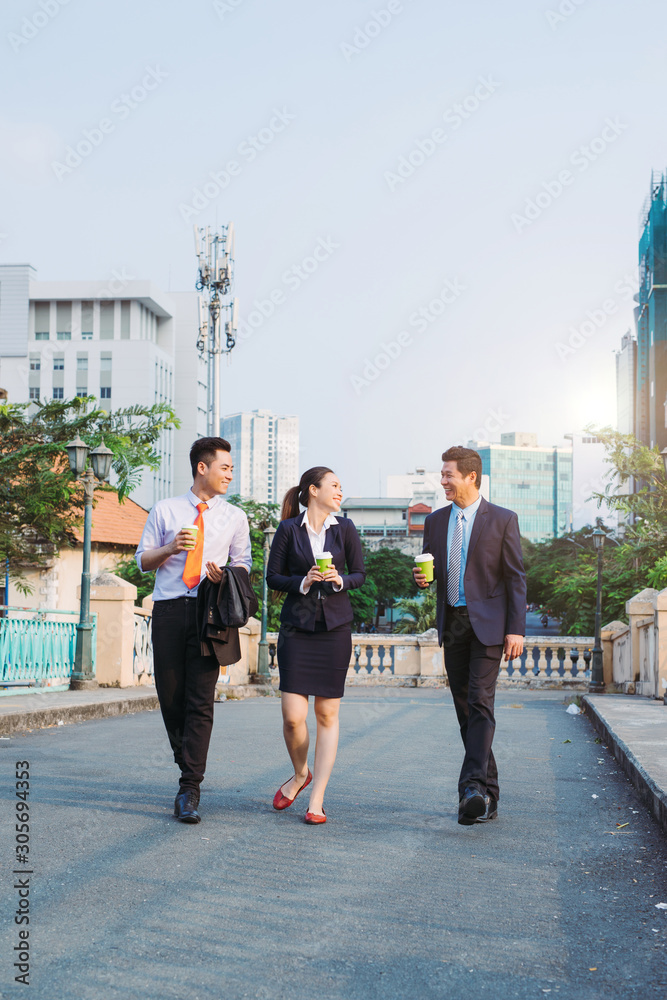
[472, 670]
[185, 682]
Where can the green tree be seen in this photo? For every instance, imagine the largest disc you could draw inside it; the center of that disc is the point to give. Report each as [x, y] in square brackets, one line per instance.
[128, 570]
[391, 572]
[41, 504]
[419, 612]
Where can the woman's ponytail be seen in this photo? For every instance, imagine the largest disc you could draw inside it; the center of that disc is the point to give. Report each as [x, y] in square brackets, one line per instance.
[299, 495]
[290, 506]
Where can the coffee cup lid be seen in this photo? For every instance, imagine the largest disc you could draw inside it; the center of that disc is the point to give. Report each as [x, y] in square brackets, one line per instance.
[424, 557]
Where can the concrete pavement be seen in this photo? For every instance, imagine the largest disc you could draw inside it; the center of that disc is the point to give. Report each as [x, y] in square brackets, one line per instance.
[390, 899]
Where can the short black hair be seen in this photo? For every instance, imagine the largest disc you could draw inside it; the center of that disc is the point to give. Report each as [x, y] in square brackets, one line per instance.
[467, 460]
[204, 449]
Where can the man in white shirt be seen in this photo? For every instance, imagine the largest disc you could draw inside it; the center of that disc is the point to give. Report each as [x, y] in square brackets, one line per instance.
[185, 680]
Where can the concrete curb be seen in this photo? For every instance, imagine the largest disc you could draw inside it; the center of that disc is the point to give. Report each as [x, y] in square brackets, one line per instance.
[40, 718]
[649, 791]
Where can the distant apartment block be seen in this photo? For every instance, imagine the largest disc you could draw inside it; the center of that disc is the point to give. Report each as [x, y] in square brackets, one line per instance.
[265, 452]
[626, 377]
[123, 341]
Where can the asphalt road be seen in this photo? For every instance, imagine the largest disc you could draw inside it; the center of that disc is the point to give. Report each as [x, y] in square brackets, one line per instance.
[391, 899]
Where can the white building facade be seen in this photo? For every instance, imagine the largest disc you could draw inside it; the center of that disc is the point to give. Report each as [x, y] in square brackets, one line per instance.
[265, 452]
[124, 342]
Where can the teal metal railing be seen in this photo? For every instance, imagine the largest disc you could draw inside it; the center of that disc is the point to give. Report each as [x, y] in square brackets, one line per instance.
[37, 646]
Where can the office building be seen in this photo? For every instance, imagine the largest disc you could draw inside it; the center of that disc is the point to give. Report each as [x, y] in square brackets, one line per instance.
[651, 366]
[388, 522]
[534, 481]
[124, 342]
[265, 451]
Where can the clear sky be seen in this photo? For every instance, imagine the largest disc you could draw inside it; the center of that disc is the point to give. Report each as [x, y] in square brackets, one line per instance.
[405, 139]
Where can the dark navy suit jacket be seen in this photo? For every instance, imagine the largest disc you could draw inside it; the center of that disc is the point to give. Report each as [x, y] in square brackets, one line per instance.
[292, 556]
[494, 580]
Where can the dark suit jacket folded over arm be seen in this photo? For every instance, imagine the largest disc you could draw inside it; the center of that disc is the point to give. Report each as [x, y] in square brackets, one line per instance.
[291, 558]
[494, 579]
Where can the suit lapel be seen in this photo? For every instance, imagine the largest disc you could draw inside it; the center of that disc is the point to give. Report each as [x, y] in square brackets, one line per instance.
[477, 529]
[443, 540]
[303, 542]
[332, 537]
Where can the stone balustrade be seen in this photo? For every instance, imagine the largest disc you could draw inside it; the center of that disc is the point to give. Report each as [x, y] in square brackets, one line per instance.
[636, 653]
[417, 661]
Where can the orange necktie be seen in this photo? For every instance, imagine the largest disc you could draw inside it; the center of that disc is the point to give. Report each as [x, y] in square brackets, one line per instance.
[192, 571]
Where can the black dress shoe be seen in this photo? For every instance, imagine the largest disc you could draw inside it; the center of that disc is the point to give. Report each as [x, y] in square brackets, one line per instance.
[185, 806]
[491, 810]
[472, 805]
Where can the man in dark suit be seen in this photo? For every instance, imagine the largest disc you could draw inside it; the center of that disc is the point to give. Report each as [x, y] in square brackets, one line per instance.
[481, 613]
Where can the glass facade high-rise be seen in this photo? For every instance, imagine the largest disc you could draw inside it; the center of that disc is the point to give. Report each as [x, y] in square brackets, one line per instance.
[533, 481]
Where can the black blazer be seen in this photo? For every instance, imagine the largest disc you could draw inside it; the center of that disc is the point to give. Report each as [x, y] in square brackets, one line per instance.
[290, 559]
[494, 580]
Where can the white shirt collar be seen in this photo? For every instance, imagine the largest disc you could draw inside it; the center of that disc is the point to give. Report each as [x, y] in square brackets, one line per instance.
[328, 521]
[195, 501]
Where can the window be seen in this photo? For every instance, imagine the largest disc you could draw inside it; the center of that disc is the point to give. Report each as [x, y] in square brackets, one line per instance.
[35, 362]
[106, 320]
[58, 392]
[42, 320]
[63, 320]
[105, 362]
[82, 363]
[33, 392]
[86, 320]
[58, 362]
[105, 392]
[81, 391]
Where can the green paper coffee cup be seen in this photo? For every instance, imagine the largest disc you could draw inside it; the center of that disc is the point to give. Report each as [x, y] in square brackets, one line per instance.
[424, 563]
[192, 529]
[324, 562]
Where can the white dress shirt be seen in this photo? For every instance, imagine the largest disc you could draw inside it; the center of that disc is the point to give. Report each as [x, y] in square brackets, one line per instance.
[226, 538]
[317, 540]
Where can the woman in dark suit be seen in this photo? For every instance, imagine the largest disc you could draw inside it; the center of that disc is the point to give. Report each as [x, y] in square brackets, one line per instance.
[315, 639]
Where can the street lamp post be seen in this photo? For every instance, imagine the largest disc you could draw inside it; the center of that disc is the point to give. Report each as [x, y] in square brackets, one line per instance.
[263, 672]
[597, 673]
[77, 453]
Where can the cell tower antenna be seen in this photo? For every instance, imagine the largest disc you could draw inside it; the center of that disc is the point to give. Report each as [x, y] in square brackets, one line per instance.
[215, 281]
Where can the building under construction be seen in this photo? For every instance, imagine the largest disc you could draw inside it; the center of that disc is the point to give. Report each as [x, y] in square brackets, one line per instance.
[651, 360]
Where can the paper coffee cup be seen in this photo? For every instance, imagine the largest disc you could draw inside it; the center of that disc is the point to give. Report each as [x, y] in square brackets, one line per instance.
[324, 562]
[424, 563]
[192, 529]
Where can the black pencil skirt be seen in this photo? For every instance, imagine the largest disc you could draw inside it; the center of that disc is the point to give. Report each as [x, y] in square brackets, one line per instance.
[314, 662]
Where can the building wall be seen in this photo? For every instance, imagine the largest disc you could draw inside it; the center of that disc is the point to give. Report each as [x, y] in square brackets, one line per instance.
[626, 362]
[55, 587]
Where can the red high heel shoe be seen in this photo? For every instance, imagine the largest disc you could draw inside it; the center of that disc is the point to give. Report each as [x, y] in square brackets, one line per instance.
[281, 801]
[314, 819]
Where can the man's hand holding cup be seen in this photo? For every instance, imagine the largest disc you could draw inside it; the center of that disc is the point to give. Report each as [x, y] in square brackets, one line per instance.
[423, 570]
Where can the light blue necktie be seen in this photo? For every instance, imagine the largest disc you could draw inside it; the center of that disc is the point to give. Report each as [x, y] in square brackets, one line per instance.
[454, 568]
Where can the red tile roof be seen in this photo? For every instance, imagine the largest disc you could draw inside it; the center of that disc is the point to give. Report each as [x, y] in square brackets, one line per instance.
[115, 523]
